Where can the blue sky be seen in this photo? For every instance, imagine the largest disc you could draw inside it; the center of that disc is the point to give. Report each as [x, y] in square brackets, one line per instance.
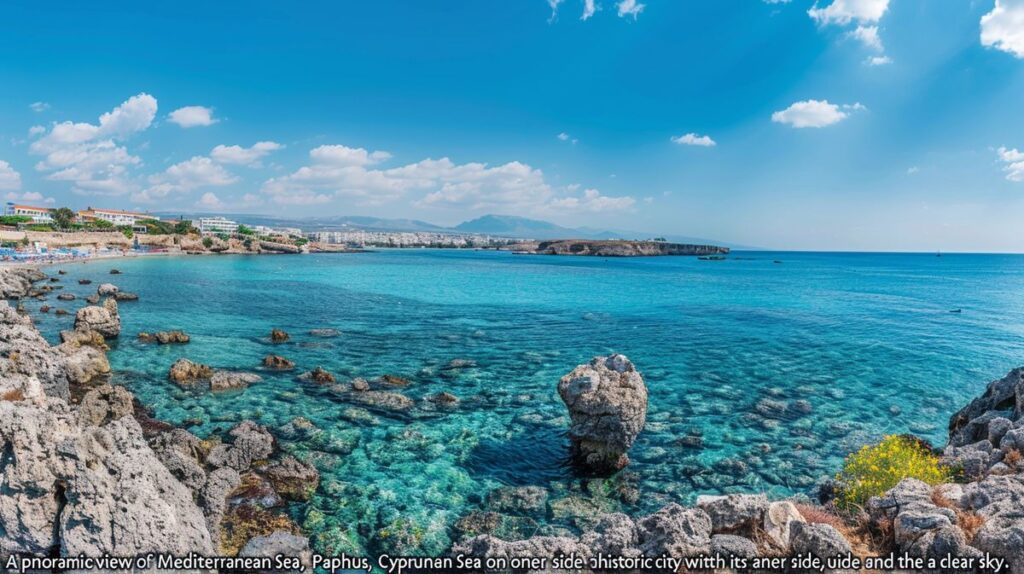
[846, 124]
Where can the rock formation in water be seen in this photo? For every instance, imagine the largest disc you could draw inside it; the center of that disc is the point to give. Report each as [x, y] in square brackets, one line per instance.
[607, 402]
[616, 248]
[104, 320]
[187, 373]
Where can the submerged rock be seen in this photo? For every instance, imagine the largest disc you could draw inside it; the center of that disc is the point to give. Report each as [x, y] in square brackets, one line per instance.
[126, 296]
[319, 376]
[166, 337]
[607, 402]
[230, 380]
[385, 400]
[278, 336]
[293, 479]
[326, 333]
[360, 384]
[518, 499]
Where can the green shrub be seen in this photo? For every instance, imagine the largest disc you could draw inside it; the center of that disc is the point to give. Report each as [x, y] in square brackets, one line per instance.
[875, 469]
[127, 231]
[207, 242]
[14, 220]
[102, 224]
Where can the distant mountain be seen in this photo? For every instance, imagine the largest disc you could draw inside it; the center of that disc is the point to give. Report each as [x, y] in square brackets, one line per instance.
[514, 226]
[501, 225]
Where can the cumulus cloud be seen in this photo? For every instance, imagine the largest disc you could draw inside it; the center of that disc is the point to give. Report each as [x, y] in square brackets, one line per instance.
[1003, 27]
[878, 61]
[29, 197]
[193, 117]
[90, 155]
[238, 155]
[843, 12]
[1013, 163]
[186, 176]
[337, 171]
[591, 201]
[567, 138]
[868, 35]
[35, 131]
[589, 8]
[39, 106]
[694, 139]
[630, 8]
[10, 179]
[814, 114]
[210, 200]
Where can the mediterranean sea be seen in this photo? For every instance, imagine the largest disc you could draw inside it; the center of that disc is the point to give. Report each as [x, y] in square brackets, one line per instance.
[764, 370]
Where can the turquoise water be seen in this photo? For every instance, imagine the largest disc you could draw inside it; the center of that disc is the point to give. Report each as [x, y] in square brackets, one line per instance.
[780, 369]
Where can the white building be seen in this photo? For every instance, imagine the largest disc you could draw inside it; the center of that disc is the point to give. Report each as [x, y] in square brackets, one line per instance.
[287, 231]
[215, 225]
[38, 214]
[117, 217]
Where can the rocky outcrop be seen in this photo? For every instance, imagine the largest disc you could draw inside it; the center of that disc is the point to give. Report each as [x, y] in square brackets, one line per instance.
[278, 336]
[293, 479]
[607, 402]
[87, 483]
[990, 430]
[185, 373]
[107, 289]
[104, 320]
[319, 376]
[279, 247]
[28, 365]
[250, 442]
[617, 248]
[16, 282]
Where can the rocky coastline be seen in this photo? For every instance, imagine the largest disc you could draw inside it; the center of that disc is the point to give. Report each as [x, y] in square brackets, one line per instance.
[614, 248]
[86, 469]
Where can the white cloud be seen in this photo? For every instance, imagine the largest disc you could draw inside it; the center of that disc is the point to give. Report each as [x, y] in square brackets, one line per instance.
[9, 177]
[185, 176]
[694, 139]
[630, 8]
[814, 114]
[87, 154]
[29, 196]
[39, 106]
[340, 155]
[589, 8]
[868, 35]
[239, 155]
[193, 116]
[210, 200]
[878, 61]
[592, 201]
[842, 12]
[1003, 27]
[567, 138]
[1013, 161]
[913, 169]
[554, 9]
[35, 131]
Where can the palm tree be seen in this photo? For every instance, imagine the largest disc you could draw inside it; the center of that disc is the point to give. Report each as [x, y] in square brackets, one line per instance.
[62, 217]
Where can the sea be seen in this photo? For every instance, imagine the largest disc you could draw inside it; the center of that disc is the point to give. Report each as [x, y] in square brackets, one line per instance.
[764, 370]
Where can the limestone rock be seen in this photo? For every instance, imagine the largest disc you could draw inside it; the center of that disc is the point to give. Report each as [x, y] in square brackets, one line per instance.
[821, 540]
[607, 402]
[675, 531]
[186, 373]
[106, 289]
[231, 380]
[277, 362]
[278, 336]
[24, 355]
[518, 499]
[292, 479]
[778, 521]
[251, 442]
[104, 320]
[730, 545]
[734, 512]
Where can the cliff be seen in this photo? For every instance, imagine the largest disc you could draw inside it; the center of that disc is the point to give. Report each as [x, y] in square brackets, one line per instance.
[616, 248]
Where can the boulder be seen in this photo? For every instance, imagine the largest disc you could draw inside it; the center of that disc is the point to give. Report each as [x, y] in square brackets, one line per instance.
[360, 384]
[84, 281]
[676, 531]
[186, 373]
[778, 521]
[106, 289]
[385, 400]
[230, 380]
[727, 545]
[607, 402]
[104, 320]
[278, 336]
[613, 535]
[280, 542]
[1003, 398]
[443, 398]
[125, 296]
[277, 362]
[319, 376]
[65, 297]
[999, 500]
[16, 282]
[182, 453]
[821, 540]
[735, 512]
[104, 404]
[293, 479]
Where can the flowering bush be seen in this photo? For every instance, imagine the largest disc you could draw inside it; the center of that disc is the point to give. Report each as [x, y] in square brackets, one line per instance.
[875, 469]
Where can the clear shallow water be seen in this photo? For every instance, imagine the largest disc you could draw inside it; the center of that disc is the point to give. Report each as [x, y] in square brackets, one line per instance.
[781, 369]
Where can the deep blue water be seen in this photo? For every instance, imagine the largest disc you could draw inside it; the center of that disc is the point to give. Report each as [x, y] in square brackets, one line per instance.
[727, 349]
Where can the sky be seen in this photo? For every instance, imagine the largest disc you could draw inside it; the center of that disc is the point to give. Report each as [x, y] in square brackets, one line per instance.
[893, 125]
